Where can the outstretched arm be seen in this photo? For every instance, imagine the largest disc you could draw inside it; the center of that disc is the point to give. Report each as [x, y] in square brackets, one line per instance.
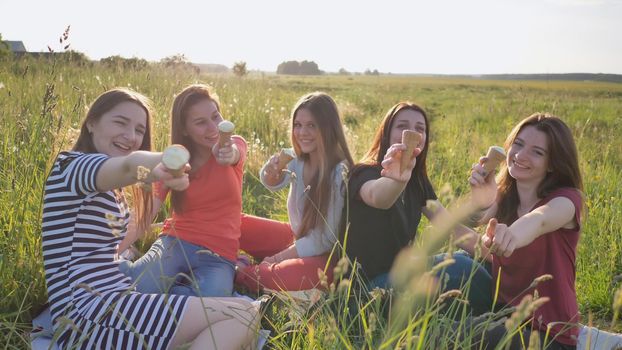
[557, 213]
[271, 176]
[228, 154]
[383, 192]
[119, 172]
[483, 193]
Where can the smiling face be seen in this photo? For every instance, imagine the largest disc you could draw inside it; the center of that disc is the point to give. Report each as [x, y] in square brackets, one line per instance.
[120, 130]
[305, 132]
[201, 123]
[528, 157]
[408, 119]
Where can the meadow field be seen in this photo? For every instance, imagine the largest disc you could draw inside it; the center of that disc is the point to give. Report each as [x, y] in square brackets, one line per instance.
[42, 103]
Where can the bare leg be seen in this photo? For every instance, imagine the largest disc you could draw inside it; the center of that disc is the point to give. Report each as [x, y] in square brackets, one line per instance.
[229, 334]
[211, 322]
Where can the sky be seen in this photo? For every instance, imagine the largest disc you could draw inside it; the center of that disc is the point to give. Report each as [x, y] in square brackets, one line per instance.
[392, 36]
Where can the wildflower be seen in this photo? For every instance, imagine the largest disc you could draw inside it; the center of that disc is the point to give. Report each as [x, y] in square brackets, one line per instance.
[341, 268]
[443, 264]
[332, 327]
[454, 293]
[543, 278]
[534, 341]
[378, 293]
[344, 285]
[371, 327]
[323, 278]
[526, 307]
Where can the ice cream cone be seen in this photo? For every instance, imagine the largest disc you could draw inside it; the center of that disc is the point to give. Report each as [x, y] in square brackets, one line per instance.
[411, 139]
[495, 156]
[175, 158]
[285, 156]
[225, 130]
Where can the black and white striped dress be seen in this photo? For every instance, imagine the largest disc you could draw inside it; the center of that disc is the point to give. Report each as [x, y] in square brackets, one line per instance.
[93, 304]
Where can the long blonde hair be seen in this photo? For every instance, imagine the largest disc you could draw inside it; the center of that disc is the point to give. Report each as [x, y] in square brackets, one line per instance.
[141, 200]
[332, 149]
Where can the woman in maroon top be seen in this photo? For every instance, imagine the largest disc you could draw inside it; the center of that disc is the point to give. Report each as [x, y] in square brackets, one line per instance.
[534, 219]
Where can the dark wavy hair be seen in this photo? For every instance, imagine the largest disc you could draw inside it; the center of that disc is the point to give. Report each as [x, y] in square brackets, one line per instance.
[382, 142]
[563, 164]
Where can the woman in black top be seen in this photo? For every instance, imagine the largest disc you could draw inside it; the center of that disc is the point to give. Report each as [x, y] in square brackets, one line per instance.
[385, 204]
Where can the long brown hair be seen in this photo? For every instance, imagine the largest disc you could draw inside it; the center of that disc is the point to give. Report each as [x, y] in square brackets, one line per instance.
[382, 142]
[332, 149]
[187, 98]
[141, 200]
[563, 164]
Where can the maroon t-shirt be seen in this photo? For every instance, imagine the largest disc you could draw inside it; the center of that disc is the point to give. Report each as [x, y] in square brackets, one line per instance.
[552, 253]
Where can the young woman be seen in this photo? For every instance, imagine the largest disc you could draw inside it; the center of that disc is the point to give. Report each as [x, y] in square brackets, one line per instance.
[85, 217]
[534, 225]
[201, 238]
[292, 254]
[386, 204]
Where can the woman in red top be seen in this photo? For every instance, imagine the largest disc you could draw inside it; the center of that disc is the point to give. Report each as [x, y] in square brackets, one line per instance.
[196, 252]
[534, 220]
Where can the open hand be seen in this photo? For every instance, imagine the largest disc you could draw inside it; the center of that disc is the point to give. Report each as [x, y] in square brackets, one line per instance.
[391, 163]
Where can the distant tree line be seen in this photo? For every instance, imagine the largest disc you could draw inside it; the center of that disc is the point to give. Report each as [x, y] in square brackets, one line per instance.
[612, 78]
[119, 62]
[299, 68]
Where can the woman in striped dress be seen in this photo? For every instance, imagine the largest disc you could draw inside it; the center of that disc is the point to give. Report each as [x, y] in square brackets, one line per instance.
[85, 216]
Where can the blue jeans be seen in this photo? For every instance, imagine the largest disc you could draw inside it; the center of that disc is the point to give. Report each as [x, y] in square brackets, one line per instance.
[466, 272]
[380, 281]
[175, 266]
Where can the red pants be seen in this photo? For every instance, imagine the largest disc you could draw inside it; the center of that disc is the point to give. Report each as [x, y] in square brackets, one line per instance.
[262, 238]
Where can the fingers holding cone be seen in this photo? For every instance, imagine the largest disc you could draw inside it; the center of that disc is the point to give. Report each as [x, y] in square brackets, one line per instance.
[225, 130]
[411, 139]
[284, 157]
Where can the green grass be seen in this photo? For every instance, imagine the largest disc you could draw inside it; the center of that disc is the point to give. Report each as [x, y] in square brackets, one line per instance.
[41, 101]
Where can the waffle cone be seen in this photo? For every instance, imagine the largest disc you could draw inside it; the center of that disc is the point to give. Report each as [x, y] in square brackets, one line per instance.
[411, 139]
[284, 159]
[495, 156]
[223, 138]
